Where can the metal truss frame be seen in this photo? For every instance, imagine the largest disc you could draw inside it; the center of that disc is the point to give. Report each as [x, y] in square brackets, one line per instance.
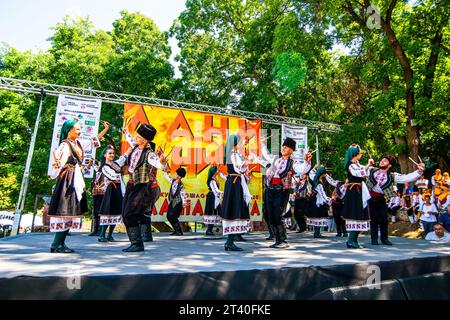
[26, 86]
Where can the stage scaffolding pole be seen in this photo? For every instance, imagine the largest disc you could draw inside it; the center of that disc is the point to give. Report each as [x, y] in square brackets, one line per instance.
[26, 173]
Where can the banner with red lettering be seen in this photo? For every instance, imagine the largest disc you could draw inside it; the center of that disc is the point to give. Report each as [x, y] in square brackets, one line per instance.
[195, 141]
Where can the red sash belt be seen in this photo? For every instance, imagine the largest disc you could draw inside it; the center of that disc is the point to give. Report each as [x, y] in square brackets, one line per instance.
[276, 181]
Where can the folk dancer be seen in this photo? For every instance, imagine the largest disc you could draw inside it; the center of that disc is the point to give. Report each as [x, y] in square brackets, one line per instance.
[177, 199]
[98, 192]
[110, 211]
[300, 187]
[142, 189]
[381, 186]
[69, 203]
[213, 206]
[236, 196]
[355, 210]
[318, 203]
[337, 203]
[278, 185]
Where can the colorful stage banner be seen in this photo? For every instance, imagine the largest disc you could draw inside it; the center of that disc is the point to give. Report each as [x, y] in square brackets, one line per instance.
[195, 140]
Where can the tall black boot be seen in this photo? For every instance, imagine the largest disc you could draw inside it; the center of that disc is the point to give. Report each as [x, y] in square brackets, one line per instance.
[344, 230]
[317, 232]
[271, 232]
[58, 244]
[338, 227]
[209, 231]
[134, 234]
[276, 235]
[110, 233]
[178, 230]
[102, 235]
[230, 246]
[65, 248]
[146, 232]
[96, 226]
[281, 236]
[174, 227]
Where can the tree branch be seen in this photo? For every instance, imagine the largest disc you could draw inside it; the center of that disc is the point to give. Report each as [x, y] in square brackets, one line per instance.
[390, 10]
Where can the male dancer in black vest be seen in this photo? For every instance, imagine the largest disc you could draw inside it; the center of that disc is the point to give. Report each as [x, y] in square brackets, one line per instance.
[142, 189]
[278, 186]
[177, 199]
[381, 187]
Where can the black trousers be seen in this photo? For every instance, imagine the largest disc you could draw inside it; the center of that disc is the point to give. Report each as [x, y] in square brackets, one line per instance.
[174, 212]
[299, 212]
[393, 211]
[378, 218]
[337, 215]
[276, 201]
[137, 207]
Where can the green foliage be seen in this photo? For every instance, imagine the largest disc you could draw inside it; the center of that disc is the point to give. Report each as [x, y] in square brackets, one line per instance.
[270, 56]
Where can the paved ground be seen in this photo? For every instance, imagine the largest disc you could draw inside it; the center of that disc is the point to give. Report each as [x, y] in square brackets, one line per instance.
[28, 255]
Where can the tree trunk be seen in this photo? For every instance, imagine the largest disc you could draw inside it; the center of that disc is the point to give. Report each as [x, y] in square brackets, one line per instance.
[281, 108]
[412, 131]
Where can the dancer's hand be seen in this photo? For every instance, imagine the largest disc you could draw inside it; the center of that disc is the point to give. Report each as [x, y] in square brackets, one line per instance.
[421, 167]
[308, 157]
[371, 163]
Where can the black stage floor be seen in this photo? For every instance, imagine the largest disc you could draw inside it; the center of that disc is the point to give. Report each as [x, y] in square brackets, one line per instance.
[197, 267]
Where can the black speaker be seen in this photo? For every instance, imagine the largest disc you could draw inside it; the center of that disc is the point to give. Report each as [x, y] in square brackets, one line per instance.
[387, 290]
[432, 286]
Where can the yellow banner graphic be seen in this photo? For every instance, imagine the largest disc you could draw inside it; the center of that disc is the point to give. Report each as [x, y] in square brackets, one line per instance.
[195, 141]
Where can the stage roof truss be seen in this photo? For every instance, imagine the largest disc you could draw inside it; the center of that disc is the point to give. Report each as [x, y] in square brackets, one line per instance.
[26, 86]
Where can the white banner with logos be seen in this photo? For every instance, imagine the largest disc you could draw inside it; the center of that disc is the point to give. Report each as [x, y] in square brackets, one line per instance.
[88, 112]
[300, 136]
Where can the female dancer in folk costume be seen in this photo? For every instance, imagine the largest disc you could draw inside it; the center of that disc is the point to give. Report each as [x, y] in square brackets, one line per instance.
[110, 211]
[319, 202]
[69, 203]
[355, 211]
[337, 203]
[236, 196]
[213, 207]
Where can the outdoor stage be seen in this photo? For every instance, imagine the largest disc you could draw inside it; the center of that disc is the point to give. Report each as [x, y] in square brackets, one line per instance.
[197, 267]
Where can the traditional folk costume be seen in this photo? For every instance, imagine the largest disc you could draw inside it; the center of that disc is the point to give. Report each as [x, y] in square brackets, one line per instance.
[422, 184]
[436, 178]
[381, 187]
[411, 205]
[337, 204]
[278, 186]
[112, 204]
[318, 203]
[355, 211]
[236, 196]
[213, 207]
[98, 191]
[142, 190]
[68, 203]
[300, 202]
[177, 200]
[395, 203]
